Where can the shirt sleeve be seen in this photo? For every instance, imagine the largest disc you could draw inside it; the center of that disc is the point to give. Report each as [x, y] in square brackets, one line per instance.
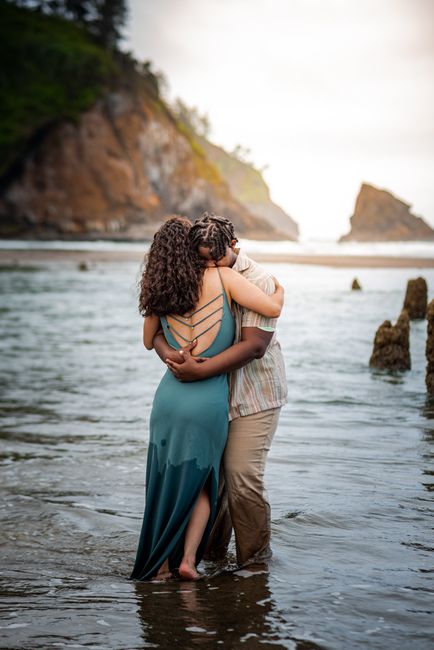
[251, 318]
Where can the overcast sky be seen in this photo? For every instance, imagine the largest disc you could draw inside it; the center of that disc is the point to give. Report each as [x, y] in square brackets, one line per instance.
[327, 93]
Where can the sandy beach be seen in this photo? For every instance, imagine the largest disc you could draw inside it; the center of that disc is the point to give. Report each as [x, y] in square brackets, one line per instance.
[34, 256]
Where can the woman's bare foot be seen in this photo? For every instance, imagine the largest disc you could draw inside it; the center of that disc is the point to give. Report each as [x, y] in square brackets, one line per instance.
[187, 569]
[164, 572]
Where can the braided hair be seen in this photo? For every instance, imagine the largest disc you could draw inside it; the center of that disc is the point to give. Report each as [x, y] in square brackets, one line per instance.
[214, 232]
[172, 277]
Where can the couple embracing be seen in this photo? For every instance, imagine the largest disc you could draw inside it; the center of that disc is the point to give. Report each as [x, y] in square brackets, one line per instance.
[210, 313]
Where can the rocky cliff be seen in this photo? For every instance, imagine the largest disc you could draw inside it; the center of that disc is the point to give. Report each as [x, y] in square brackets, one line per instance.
[88, 148]
[116, 172]
[249, 188]
[380, 216]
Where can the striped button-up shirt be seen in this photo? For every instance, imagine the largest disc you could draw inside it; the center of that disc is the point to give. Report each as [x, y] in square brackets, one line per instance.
[261, 384]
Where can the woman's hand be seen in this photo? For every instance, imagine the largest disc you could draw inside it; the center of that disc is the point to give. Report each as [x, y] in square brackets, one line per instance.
[179, 356]
[191, 367]
[174, 356]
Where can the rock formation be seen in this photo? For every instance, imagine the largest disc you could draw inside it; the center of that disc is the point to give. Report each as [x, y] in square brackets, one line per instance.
[380, 216]
[249, 188]
[88, 146]
[116, 173]
[392, 345]
[416, 298]
[355, 285]
[429, 378]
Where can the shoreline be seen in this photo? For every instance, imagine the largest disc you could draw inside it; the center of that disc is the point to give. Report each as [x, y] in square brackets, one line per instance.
[25, 257]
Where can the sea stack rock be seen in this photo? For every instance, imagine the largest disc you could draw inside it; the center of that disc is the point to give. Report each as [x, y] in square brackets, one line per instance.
[356, 286]
[380, 216]
[416, 298]
[429, 378]
[392, 345]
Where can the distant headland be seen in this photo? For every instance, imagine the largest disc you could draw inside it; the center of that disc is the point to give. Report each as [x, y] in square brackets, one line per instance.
[90, 149]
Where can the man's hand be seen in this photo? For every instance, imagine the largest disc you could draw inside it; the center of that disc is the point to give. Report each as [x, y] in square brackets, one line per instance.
[190, 369]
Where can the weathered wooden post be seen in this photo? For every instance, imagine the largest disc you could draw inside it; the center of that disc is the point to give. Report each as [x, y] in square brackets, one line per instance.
[356, 286]
[416, 298]
[392, 345]
[429, 377]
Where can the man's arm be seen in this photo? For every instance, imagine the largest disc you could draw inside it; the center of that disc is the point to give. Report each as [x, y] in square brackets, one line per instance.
[253, 344]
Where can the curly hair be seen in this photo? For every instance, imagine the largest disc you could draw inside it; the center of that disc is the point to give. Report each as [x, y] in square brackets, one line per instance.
[214, 232]
[173, 273]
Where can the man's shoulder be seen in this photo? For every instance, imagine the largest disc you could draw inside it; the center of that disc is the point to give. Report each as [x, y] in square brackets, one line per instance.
[254, 265]
[256, 273]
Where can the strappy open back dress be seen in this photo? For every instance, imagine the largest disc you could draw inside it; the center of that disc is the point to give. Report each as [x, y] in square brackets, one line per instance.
[188, 433]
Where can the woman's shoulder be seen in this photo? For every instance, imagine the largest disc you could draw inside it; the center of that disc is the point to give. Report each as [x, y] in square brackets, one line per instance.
[227, 275]
[216, 276]
[226, 272]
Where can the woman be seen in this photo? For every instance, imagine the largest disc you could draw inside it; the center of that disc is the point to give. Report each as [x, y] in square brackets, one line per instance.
[189, 421]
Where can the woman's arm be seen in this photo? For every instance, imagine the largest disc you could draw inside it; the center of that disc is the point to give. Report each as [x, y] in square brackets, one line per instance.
[165, 351]
[250, 296]
[150, 328]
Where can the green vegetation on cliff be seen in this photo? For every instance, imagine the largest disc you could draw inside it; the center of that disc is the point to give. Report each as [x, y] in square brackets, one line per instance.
[50, 69]
[246, 181]
[53, 68]
[59, 63]
[250, 186]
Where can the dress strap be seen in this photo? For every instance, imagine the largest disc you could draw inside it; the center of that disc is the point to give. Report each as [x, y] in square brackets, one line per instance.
[221, 280]
[170, 327]
[196, 311]
[179, 320]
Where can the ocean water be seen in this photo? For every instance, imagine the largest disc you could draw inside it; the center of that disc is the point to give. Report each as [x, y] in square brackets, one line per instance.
[387, 249]
[350, 474]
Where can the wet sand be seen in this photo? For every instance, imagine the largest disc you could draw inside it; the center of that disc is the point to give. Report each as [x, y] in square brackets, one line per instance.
[26, 257]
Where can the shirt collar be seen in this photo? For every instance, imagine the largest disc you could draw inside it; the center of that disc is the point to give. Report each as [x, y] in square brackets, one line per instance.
[242, 262]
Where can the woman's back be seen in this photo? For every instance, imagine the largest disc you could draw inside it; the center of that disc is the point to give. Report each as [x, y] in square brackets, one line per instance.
[210, 322]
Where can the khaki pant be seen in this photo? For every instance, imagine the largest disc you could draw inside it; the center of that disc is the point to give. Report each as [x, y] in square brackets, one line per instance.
[243, 502]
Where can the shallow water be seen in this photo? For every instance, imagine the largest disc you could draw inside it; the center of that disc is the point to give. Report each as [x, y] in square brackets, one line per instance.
[413, 249]
[350, 475]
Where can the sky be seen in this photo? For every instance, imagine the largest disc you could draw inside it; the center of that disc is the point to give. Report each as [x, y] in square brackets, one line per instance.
[327, 93]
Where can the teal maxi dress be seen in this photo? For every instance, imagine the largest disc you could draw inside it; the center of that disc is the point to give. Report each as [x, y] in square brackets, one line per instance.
[188, 433]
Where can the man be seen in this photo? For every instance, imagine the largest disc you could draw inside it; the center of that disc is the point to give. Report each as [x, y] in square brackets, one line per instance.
[258, 389]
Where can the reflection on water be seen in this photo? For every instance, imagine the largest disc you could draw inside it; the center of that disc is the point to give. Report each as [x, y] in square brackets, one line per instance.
[228, 610]
[350, 475]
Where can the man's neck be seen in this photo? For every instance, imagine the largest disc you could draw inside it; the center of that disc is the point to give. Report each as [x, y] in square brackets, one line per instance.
[236, 251]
